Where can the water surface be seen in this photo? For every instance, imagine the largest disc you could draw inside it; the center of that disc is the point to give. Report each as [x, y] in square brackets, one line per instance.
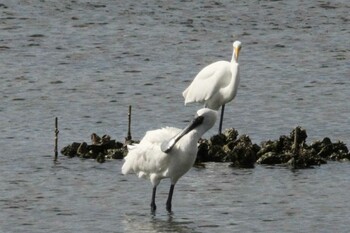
[85, 62]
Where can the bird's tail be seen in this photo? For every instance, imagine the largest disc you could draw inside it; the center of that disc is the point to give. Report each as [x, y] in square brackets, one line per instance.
[125, 169]
[184, 94]
[127, 166]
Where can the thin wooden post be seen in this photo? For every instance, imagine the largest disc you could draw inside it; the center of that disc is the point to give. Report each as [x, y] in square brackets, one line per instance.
[56, 138]
[129, 124]
[296, 146]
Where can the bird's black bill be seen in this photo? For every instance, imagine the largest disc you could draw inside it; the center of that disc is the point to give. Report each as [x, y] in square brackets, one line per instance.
[168, 145]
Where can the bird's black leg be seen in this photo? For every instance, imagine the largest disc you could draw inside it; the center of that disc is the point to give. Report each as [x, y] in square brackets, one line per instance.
[170, 197]
[221, 118]
[153, 203]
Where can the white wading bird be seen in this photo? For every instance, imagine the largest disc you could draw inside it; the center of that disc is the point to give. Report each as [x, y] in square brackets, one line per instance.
[216, 84]
[168, 152]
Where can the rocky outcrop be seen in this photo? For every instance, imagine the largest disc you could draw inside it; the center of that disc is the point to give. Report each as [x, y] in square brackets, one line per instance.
[238, 150]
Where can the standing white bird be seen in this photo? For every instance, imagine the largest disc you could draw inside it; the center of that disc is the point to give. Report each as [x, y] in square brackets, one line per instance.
[216, 84]
[168, 152]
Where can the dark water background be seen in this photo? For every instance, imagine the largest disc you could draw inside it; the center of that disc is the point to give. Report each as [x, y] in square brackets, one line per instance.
[85, 62]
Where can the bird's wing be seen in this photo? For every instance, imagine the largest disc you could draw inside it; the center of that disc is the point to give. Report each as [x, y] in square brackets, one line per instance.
[207, 82]
[159, 135]
[146, 157]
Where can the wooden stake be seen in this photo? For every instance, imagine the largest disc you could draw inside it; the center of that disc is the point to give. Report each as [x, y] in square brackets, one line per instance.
[56, 138]
[296, 145]
[129, 124]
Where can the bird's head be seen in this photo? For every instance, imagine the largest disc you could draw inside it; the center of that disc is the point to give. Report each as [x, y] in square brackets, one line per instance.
[236, 48]
[203, 121]
[209, 117]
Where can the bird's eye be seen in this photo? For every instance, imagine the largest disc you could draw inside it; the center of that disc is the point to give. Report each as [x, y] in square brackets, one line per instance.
[199, 119]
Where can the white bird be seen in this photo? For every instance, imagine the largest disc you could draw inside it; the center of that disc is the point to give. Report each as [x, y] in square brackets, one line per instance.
[216, 84]
[168, 152]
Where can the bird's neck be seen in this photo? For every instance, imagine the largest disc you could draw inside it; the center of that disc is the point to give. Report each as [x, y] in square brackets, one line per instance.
[234, 67]
[233, 85]
[191, 139]
[234, 59]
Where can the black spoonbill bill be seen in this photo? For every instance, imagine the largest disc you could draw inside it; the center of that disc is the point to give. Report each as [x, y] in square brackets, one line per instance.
[216, 84]
[168, 152]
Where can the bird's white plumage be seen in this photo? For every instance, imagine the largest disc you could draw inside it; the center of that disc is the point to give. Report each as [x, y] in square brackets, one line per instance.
[147, 160]
[217, 83]
[213, 85]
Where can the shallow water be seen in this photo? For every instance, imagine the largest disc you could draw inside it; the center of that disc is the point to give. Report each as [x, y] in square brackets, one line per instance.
[86, 62]
[76, 196]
